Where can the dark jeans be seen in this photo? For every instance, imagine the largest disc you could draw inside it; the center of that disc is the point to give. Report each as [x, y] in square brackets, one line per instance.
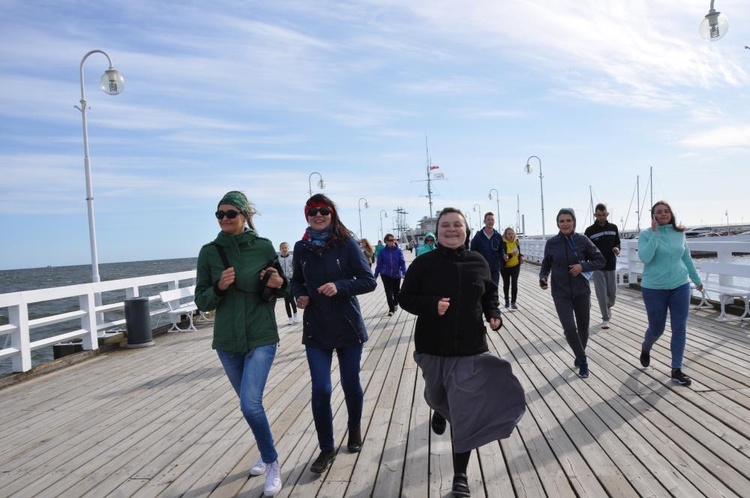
[574, 315]
[290, 305]
[392, 287]
[319, 361]
[510, 282]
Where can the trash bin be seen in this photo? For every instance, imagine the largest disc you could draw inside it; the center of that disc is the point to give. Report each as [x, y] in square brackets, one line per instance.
[138, 323]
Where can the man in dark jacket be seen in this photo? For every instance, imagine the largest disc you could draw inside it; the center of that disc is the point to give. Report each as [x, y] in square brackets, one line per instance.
[489, 243]
[606, 238]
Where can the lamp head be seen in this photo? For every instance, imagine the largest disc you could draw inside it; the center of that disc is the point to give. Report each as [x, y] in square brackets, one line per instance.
[112, 82]
[321, 183]
[714, 26]
[528, 169]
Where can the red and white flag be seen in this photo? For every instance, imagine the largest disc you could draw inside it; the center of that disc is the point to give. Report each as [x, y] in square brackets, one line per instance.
[434, 167]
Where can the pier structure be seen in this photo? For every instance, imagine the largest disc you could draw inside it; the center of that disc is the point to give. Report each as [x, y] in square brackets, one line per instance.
[164, 421]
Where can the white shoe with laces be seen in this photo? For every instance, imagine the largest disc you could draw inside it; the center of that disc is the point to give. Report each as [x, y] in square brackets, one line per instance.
[273, 479]
[605, 324]
[258, 469]
[294, 318]
[291, 320]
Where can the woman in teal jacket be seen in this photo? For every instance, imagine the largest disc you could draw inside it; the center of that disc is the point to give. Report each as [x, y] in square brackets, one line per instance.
[230, 277]
[667, 272]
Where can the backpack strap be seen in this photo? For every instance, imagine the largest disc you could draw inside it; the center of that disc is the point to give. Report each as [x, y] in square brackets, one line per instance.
[222, 255]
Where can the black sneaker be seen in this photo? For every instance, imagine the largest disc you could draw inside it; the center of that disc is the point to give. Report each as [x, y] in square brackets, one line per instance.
[323, 462]
[507, 303]
[460, 485]
[645, 359]
[680, 378]
[583, 370]
[438, 423]
[513, 306]
[576, 363]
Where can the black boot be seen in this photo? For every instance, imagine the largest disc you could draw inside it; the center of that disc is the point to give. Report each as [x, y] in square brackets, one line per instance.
[323, 462]
[355, 441]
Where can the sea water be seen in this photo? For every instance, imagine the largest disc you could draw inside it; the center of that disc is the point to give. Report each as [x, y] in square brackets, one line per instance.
[59, 276]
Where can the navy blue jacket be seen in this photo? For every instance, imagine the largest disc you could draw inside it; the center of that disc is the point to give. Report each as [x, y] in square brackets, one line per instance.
[332, 322]
[491, 248]
[559, 256]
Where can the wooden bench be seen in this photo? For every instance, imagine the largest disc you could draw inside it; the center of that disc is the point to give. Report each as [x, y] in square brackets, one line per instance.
[720, 279]
[174, 300]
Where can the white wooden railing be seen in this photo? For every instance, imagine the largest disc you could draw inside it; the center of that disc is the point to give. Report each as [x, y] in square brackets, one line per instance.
[89, 314]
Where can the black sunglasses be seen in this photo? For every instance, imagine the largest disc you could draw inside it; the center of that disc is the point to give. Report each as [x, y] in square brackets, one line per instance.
[322, 210]
[230, 213]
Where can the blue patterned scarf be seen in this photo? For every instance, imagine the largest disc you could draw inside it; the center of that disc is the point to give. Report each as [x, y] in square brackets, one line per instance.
[319, 240]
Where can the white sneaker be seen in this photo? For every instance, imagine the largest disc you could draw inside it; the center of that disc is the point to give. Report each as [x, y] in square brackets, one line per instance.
[291, 320]
[605, 324]
[294, 318]
[273, 479]
[258, 469]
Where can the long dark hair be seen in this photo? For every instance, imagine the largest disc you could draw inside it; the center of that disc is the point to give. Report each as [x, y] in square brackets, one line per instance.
[673, 222]
[339, 232]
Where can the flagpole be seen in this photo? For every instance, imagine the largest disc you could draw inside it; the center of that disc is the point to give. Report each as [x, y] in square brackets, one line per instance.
[429, 174]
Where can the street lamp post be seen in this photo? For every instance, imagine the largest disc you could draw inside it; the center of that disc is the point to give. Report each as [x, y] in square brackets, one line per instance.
[320, 184]
[382, 212]
[528, 170]
[478, 209]
[359, 208]
[497, 198]
[111, 83]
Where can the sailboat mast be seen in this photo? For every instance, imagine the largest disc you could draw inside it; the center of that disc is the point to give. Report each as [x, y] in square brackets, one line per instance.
[429, 181]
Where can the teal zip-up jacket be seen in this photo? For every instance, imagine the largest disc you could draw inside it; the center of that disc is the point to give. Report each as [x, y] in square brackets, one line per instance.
[243, 321]
[666, 258]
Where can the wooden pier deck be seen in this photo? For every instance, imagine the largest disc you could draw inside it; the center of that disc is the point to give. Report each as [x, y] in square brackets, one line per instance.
[163, 421]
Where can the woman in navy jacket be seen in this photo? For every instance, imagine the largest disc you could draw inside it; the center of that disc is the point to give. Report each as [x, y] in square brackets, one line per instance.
[329, 271]
[571, 258]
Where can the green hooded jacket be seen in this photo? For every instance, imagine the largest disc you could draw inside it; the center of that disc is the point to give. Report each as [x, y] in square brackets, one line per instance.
[243, 321]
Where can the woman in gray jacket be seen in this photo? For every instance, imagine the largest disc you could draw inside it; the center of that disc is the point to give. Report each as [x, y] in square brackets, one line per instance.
[571, 258]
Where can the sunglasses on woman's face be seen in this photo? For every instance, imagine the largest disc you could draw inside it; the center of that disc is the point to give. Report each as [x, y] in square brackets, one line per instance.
[230, 213]
[322, 210]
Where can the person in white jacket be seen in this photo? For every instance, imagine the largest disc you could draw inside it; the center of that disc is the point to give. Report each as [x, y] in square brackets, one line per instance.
[287, 266]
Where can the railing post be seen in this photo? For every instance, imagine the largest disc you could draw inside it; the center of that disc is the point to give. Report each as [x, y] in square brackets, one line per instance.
[18, 316]
[89, 322]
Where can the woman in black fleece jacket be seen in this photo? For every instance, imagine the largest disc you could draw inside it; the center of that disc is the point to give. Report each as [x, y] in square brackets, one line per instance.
[452, 293]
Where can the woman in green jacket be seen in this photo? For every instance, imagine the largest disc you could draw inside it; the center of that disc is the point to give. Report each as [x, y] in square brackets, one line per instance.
[231, 275]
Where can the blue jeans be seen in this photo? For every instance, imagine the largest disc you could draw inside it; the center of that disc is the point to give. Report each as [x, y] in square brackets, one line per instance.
[319, 361]
[677, 302]
[248, 374]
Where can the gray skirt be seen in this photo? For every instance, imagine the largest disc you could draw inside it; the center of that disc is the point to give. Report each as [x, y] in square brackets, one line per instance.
[478, 395]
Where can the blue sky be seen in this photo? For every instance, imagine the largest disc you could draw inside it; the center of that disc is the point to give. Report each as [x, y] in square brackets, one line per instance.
[256, 96]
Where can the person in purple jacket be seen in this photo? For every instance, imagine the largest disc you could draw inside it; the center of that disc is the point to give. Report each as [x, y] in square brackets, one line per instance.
[391, 267]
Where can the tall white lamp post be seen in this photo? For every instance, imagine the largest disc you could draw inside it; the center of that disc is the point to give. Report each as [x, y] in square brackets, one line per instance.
[359, 208]
[497, 198]
[383, 212]
[528, 170]
[320, 183]
[478, 209]
[111, 83]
